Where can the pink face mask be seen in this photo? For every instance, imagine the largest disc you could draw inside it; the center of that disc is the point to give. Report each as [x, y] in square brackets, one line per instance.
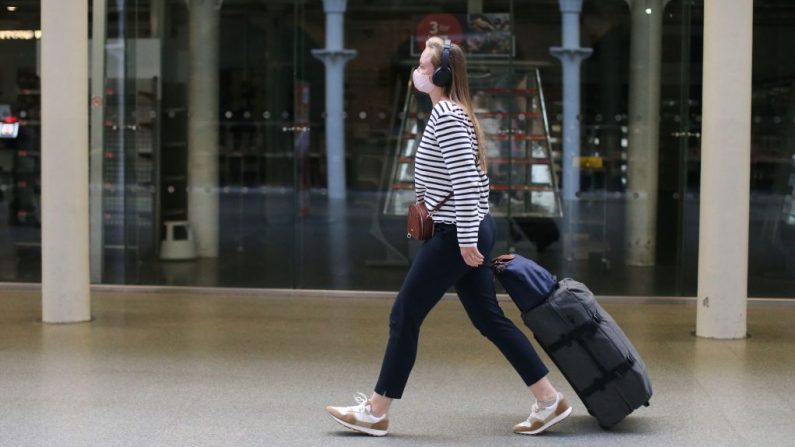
[422, 82]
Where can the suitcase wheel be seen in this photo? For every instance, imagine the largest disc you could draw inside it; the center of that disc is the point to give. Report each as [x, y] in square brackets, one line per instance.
[604, 427]
[646, 404]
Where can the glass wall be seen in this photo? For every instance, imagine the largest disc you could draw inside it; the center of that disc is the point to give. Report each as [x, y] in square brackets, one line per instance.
[214, 168]
[20, 193]
[772, 225]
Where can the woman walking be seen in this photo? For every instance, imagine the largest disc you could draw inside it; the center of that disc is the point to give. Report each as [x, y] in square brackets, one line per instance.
[450, 169]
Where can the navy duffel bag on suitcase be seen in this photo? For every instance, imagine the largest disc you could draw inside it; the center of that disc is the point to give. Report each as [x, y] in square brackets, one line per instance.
[582, 339]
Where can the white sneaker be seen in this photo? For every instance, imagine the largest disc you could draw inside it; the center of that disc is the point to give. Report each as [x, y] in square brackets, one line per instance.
[359, 417]
[541, 419]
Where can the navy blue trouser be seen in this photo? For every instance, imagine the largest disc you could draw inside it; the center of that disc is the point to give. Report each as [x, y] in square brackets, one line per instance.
[438, 266]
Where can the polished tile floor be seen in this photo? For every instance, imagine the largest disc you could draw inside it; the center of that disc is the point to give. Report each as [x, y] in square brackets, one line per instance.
[242, 370]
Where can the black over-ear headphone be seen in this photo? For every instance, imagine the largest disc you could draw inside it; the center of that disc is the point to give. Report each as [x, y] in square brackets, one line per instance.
[442, 75]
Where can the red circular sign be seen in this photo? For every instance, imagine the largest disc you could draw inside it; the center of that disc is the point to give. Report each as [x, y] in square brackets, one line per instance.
[442, 25]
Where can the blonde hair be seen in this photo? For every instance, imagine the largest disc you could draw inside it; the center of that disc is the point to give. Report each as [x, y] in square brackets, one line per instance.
[458, 89]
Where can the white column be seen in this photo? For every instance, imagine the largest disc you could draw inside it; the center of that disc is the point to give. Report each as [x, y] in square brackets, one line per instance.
[203, 125]
[644, 130]
[65, 284]
[334, 56]
[571, 56]
[725, 169]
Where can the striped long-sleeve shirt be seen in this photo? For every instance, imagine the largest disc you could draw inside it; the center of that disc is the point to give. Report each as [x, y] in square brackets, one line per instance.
[446, 162]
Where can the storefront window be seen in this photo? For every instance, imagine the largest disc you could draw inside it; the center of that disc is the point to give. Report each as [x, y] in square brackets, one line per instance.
[215, 166]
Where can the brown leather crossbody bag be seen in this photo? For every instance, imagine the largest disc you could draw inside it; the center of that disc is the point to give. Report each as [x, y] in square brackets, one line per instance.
[420, 221]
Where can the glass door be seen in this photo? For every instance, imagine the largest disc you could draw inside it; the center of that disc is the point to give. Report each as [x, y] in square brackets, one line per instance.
[202, 118]
[127, 144]
[262, 123]
[680, 139]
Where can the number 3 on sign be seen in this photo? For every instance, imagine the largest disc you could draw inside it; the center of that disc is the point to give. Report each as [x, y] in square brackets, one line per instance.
[437, 25]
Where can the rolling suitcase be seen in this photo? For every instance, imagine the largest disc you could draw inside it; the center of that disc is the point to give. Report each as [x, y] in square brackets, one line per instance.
[583, 340]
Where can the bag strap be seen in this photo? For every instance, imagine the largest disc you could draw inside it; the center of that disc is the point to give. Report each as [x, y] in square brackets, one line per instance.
[440, 204]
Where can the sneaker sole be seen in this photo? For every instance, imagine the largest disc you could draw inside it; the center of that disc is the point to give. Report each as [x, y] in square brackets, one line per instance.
[554, 421]
[367, 431]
